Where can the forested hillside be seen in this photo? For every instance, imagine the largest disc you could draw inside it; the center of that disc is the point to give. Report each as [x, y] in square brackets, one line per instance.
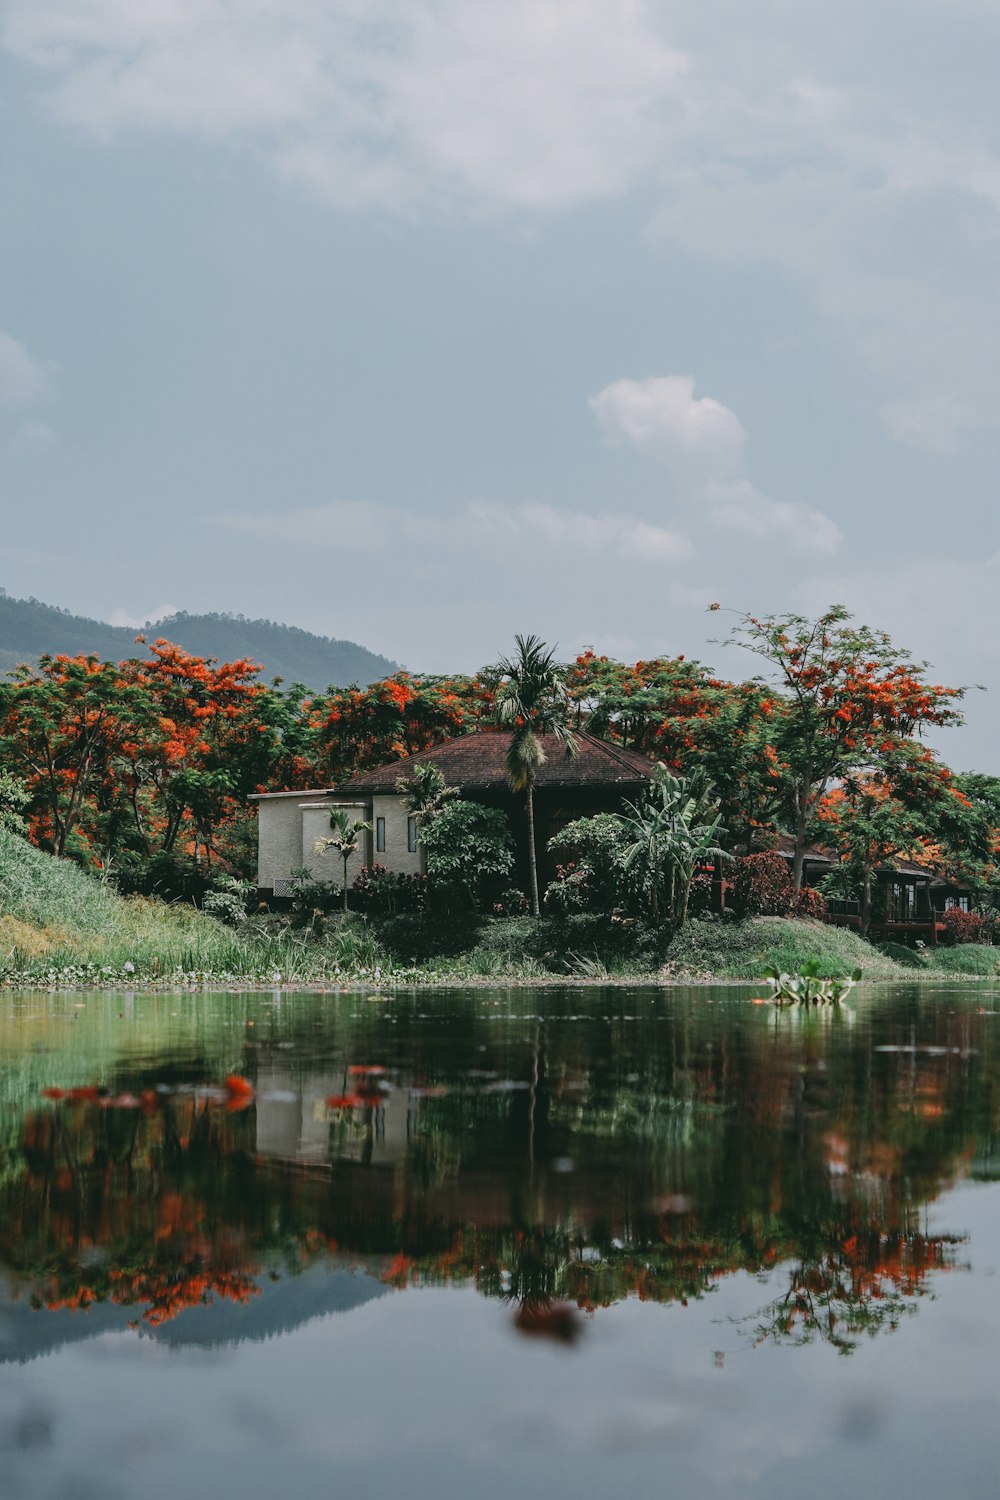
[29, 628]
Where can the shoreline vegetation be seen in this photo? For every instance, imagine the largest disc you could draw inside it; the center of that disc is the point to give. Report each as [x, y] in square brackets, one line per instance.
[128, 834]
[60, 928]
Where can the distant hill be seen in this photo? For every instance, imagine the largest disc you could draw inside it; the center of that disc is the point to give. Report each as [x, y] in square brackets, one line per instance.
[29, 628]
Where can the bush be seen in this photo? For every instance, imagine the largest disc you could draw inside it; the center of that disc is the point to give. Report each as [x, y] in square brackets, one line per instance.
[384, 892]
[168, 877]
[811, 904]
[762, 886]
[312, 897]
[511, 902]
[700, 894]
[470, 848]
[570, 891]
[965, 927]
[593, 878]
[227, 903]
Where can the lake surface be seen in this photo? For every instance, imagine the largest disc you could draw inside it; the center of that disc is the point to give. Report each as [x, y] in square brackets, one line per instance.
[488, 1243]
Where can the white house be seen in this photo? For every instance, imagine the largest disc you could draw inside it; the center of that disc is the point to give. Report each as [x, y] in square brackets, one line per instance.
[596, 779]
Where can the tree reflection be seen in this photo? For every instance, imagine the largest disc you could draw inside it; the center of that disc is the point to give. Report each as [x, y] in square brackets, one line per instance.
[565, 1171]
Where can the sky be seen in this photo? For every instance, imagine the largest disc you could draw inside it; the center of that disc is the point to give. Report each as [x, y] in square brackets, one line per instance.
[425, 322]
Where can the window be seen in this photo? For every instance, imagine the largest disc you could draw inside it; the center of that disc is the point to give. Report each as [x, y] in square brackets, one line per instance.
[379, 835]
[411, 834]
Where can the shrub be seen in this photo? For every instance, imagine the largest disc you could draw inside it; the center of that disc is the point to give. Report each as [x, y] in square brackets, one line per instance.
[811, 903]
[744, 950]
[700, 894]
[228, 901]
[965, 926]
[968, 958]
[469, 848]
[762, 886]
[909, 958]
[570, 891]
[385, 892]
[311, 896]
[593, 878]
[511, 902]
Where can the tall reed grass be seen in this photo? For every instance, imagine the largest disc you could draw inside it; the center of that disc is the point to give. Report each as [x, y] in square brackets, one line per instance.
[59, 925]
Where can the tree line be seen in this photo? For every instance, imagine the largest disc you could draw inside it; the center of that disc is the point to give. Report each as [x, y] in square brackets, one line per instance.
[143, 768]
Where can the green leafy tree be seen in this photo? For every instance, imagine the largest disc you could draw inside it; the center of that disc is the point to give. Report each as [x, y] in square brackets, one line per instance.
[593, 878]
[533, 702]
[468, 845]
[14, 798]
[345, 838]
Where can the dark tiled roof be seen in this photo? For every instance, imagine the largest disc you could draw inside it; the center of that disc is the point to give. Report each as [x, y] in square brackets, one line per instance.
[812, 853]
[474, 762]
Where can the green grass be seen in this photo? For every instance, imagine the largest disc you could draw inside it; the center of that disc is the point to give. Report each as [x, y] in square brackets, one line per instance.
[976, 959]
[59, 925]
[743, 950]
[907, 958]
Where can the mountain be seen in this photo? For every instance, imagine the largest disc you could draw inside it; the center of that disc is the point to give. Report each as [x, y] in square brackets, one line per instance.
[29, 628]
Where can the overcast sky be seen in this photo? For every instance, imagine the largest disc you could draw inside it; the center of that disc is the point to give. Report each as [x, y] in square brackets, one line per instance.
[422, 322]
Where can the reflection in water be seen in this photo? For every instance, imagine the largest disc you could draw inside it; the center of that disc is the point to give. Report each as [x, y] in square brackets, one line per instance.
[601, 1148]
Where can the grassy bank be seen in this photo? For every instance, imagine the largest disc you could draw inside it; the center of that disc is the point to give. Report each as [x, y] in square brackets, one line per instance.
[60, 927]
[743, 950]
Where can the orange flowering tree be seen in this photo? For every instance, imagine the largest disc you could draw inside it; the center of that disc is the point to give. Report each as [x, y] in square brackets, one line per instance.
[907, 804]
[848, 696]
[357, 729]
[675, 711]
[144, 760]
[217, 742]
[62, 724]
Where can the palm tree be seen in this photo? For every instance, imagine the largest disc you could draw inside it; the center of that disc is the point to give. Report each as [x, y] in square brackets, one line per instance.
[532, 700]
[426, 792]
[345, 838]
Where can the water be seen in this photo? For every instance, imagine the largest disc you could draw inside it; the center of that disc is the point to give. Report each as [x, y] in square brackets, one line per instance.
[567, 1242]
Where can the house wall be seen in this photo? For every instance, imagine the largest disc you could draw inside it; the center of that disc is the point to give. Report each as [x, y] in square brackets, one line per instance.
[396, 856]
[279, 842]
[315, 825]
[287, 831]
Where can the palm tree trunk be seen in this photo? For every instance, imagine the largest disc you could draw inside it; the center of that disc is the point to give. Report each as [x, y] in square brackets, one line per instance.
[346, 858]
[866, 902]
[529, 807]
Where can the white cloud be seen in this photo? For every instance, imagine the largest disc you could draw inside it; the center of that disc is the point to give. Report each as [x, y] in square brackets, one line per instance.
[701, 443]
[695, 436]
[482, 527]
[740, 508]
[526, 103]
[21, 377]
